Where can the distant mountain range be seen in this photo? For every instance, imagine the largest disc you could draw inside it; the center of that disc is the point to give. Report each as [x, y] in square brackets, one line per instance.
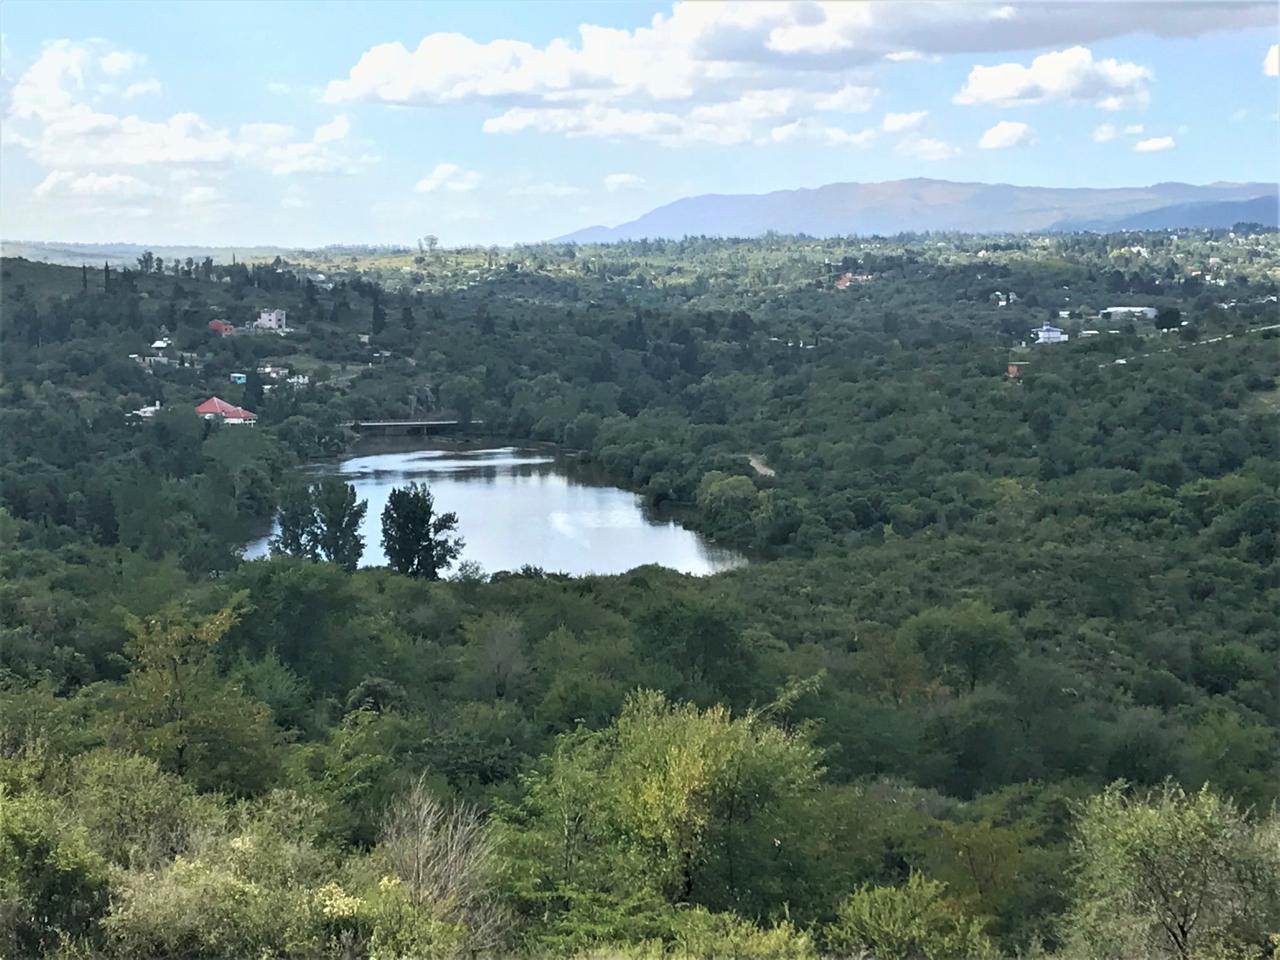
[917, 205]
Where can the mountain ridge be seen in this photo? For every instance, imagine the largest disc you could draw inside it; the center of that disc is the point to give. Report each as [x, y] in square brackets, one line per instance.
[921, 204]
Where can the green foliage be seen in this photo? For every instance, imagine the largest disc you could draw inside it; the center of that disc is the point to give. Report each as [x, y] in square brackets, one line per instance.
[1014, 590]
[1172, 874]
[417, 540]
[912, 920]
[321, 521]
[53, 887]
[177, 709]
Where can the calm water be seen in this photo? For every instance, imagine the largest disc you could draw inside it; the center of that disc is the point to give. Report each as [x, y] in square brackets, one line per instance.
[518, 506]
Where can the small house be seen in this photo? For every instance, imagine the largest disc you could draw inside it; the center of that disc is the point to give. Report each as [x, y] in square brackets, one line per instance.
[215, 408]
[221, 328]
[1050, 334]
[1016, 368]
[239, 378]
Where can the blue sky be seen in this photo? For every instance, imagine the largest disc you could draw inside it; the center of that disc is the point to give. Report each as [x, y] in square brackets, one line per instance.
[313, 123]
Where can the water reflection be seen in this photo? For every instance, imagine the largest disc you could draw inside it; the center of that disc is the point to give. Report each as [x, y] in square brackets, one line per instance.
[518, 506]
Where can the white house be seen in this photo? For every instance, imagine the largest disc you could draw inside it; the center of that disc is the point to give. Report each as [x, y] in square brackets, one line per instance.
[272, 320]
[147, 412]
[1050, 334]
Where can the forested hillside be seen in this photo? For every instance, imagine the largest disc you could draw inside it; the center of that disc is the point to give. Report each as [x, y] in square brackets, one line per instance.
[1002, 677]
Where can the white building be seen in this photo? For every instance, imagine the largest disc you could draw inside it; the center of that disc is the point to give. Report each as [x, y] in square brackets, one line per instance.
[1050, 334]
[271, 320]
[1132, 313]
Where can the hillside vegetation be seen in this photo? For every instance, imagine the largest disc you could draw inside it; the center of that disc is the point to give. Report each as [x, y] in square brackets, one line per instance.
[1003, 678]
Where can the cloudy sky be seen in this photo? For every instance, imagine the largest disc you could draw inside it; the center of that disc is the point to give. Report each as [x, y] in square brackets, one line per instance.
[314, 123]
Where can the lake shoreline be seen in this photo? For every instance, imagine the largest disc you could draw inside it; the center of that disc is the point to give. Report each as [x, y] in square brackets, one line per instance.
[522, 504]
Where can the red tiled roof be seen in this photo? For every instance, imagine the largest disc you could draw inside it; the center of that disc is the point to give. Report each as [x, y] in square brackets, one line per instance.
[228, 411]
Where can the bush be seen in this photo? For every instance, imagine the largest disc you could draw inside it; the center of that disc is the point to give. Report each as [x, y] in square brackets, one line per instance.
[53, 887]
[908, 922]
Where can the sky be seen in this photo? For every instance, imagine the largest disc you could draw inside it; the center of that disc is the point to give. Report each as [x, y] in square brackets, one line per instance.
[305, 124]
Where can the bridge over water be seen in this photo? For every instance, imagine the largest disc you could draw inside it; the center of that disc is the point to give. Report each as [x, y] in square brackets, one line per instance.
[411, 428]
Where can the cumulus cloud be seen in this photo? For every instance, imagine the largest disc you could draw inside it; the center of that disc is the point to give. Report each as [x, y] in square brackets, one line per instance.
[118, 62]
[1104, 133]
[894, 122]
[809, 131]
[647, 81]
[926, 148]
[116, 186]
[450, 177]
[1271, 62]
[54, 115]
[335, 129]
[1071, 74]
[1007, 133]
[851, 98]
[614, 182]
[1154, 144]
[142, 88]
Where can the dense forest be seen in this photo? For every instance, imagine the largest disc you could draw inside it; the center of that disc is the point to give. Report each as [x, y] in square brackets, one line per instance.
[1002, 678]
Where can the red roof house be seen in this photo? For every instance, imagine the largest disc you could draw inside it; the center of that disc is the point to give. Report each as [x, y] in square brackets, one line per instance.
[226, 412]
[221, 328]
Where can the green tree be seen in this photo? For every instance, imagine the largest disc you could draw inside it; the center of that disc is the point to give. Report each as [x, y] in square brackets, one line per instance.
[297, 522]
[1170, 874]
[177, 708]
[418, 541]
[969, 640]
[338, 516]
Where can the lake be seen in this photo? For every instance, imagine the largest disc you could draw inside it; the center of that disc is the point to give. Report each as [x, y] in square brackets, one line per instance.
[519, 506]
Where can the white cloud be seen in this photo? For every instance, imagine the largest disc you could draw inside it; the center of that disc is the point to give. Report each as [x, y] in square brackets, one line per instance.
[1007, 133]
[926, 148]
[647, 82]
[118, 62]
[1271, 62]
[200, 196]
[614, 182]
[291, 158]
[851, 98]
[142, 88]
[908, 56]
[116, 186]
[448, 176]
[266, 134]
[53, 116]
[335, 129]
[1071, 74]
[894, 122]
[809, 131]
[1133, 129]
[1104, 133]
[1154, 144]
